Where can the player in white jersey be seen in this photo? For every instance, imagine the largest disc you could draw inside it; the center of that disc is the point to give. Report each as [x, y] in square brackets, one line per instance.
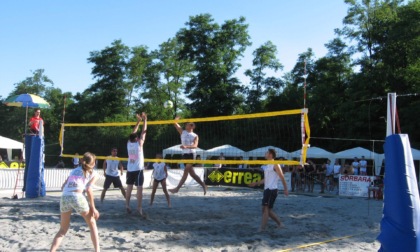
[111, 167]
[79, 180]
[272, 174]
[189, 142]
[363, 166]
[135, 164]
[160, 173]
[356, 166]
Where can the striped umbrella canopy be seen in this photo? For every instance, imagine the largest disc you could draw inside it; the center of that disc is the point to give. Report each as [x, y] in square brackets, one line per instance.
[26, 100]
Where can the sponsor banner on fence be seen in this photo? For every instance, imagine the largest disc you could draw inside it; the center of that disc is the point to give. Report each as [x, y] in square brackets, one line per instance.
[11, 164]
[353, 185]
[240, 177]
[233, 176]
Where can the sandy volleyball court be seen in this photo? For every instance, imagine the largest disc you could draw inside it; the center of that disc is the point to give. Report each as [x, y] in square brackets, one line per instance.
[226, 219]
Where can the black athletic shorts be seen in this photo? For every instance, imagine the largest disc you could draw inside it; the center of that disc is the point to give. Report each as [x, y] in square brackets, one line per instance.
[116, 181]
[269, 197]
[159, 181]
[188, 156]
[135, 177]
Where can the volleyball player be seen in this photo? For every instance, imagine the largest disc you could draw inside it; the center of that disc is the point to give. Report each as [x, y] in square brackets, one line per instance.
[189, 142]
[111, 167]
[160, 173]
[272, 174]
[80, 179]
[135, 165]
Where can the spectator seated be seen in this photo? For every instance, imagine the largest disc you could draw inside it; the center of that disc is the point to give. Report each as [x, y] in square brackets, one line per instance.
[376, 188]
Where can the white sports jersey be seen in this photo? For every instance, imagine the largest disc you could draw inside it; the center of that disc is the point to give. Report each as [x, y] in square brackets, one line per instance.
[336, 170]
[159, 171]
[135, 157]
[271, 178]
[355, 164]
[77, 181]
[112, 167]
[330, 169]
[187, 139]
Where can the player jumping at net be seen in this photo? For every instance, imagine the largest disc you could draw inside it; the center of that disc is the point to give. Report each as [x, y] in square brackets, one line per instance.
[189, 142]
[79, 180]
[111, 167]
[272, 174]
[135, 165]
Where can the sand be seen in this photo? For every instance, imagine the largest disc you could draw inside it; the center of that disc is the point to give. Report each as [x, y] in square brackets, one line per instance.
[226, 219]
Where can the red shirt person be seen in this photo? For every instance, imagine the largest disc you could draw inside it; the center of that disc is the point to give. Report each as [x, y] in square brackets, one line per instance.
[35, 121]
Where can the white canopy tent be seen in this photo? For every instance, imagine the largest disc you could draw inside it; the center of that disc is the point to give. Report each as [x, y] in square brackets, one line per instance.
[359, 152]
[227, 150]
[314, 152]
[9, 144]
[176, 149]
[260, 152]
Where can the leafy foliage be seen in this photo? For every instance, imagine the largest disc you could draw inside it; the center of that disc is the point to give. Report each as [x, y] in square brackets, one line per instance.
[374, 53]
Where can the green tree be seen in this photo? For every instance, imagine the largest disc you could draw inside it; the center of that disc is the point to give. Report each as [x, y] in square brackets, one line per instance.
[109, 94]
[327, 96]
[164, 79]
[175, 73]
[291, 96]
[37, 84]
[363, 24]
[264, 59]
[214, 50]
[137, 68]
[40, 84]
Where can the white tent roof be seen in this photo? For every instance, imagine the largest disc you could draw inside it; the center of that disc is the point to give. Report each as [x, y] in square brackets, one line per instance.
[359, 152]
[313, 152]
[176, 149]
[260, 152]
[356, 152]
[228, 151]
[416, 154]
[7, 143]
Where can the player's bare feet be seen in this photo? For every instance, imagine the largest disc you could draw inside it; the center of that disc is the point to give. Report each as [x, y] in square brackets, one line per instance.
[128, 210]
[205, 189]
[281, 226]
[141, 213]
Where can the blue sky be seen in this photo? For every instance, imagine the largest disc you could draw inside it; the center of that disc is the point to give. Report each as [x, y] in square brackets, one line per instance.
[57, 36]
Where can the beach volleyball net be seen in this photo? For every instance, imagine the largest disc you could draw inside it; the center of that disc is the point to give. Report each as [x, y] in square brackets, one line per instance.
[231, 141]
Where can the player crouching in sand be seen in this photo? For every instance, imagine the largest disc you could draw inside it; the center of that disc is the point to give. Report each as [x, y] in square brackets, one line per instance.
[79, 180]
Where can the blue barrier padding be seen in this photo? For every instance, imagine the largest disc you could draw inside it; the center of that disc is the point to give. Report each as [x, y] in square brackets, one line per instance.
[400, 222]
[35, 184]
[28, 147]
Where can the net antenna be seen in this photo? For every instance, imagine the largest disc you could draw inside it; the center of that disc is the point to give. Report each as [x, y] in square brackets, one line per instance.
[304, 120]
[392, 115]
[61, 136]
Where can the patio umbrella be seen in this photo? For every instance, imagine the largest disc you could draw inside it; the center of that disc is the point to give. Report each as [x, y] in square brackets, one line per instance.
[27, 101]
